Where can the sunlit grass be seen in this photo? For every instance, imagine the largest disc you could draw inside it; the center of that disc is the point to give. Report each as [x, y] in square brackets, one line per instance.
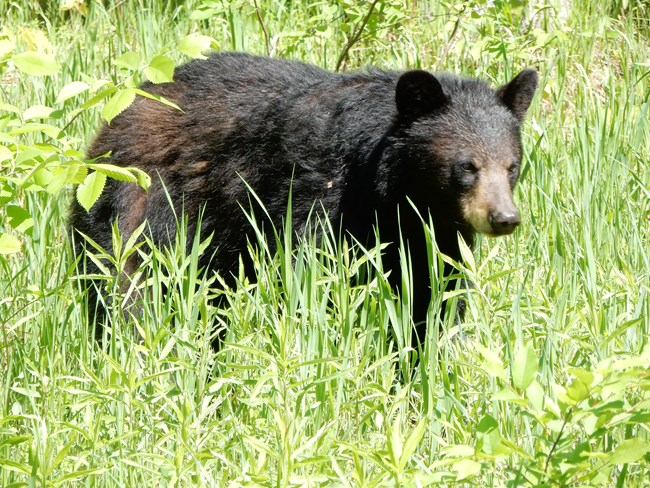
[313, 384]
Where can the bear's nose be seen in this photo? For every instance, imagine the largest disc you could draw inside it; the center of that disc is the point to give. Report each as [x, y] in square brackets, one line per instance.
[504, 222]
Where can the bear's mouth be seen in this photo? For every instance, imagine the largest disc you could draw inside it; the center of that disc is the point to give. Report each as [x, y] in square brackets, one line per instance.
[491, 224]
[490, 211]
[497, 233]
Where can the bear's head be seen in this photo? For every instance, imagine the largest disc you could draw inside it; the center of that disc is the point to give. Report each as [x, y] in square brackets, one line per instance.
[462, 145]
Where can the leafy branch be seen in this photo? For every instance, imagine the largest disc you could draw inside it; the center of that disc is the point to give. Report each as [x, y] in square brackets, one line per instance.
[356, 36]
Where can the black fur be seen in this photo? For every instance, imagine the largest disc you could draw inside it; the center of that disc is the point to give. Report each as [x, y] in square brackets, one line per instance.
[360, 144]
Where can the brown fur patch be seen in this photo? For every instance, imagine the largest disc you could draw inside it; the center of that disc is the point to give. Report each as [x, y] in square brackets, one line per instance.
[475, 207]
[130, 219]
[163, 125]
[492, 193]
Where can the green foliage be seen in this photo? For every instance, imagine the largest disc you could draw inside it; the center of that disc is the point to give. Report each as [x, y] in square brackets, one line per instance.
[41, 157]
[575, 417]
[35, 63]
[545, 383]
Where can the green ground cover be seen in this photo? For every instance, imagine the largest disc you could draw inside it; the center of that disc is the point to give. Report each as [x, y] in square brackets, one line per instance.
[545, 383]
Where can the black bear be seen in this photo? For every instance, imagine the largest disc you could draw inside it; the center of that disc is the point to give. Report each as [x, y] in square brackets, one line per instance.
[359, 145]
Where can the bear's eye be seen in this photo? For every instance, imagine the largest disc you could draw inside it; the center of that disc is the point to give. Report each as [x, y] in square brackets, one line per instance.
[514, 167]
[468, 166]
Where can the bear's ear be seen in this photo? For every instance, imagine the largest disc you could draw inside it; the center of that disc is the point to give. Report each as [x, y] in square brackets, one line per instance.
[518, 94]
[418, 93]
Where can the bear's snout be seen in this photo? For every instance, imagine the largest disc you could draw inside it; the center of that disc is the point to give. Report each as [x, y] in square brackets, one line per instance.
[504, 221]
[489, 207]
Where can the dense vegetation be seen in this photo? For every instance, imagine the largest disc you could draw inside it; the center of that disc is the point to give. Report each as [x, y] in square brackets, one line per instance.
[547, 380]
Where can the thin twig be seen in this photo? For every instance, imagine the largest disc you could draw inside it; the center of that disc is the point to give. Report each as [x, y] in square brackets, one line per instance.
[355, 38]
[557, 441]
[267, 39]
[452, 37]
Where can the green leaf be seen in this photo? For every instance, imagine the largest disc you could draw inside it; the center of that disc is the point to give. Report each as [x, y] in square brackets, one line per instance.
[40, 177]
[84, 474]
[144, 180]
[396, 439]
[509, 396]
[64, 175]
[158, 98]
[6, 48]
[129, 60]
[466, 468]
[194, 45]
[467, 254]
[629, 451]
[5, 154]
[101, 95]
[31, 127]
[562, 395]
[9, 244]
[488, 435]
[458, 451]
[160, 70]
[71, 89]
[118, 103]
[130, 175]
[19, 218]
[587, 377]
[535, 393]
[577, 391]
[525, 366]
[36, 63]
[491, 362]
[7, 107]
[630, 362]
[412, 443]
[90, 190]
[10, 465]
[116, 172]
[6, 194]
[37, 112]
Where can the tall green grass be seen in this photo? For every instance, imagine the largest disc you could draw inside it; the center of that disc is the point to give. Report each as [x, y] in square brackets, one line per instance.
[545, 382]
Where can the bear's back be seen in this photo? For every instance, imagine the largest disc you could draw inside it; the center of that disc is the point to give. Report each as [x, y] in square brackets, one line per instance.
[245, 73]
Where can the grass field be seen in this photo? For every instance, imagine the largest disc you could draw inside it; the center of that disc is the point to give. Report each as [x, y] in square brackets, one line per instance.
[545, 383]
